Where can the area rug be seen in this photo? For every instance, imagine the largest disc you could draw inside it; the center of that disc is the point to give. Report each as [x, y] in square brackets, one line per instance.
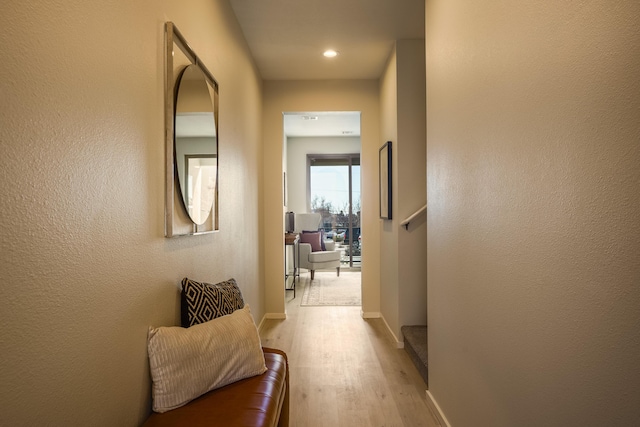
[329, 289]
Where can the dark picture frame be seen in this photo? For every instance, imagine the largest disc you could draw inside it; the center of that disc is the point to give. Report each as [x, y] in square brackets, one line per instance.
[384, 167]
[284, 188]
[196, 167]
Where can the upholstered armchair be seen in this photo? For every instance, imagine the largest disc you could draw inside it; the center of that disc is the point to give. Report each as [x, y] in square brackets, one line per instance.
[315, 253]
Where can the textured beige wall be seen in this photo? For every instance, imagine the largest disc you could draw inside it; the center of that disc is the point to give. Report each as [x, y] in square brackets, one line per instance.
[389, 306]
[411, 152]
[534, 212]
[402, 268]
[318, 95]
[85, 267]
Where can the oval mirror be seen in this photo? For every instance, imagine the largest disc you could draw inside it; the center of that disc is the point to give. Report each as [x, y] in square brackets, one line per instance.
[196, 144]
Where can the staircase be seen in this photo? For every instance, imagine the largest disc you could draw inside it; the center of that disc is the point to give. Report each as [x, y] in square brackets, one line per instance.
[415, 343]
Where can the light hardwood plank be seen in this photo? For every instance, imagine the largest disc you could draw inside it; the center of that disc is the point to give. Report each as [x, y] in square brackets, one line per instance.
[345, 370]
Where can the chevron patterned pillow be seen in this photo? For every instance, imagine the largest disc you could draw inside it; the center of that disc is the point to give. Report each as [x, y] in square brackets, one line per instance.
[201, 302]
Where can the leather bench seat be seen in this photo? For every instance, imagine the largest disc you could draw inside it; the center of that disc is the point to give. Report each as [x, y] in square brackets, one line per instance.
[262, 400]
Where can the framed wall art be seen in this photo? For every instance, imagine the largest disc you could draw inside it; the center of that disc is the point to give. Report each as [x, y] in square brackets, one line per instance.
[384, 166]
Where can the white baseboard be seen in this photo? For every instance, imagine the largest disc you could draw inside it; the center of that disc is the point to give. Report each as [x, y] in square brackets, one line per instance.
[370, 315]
[276, 316]
[378, 315]
[399, 344]
[437, 412]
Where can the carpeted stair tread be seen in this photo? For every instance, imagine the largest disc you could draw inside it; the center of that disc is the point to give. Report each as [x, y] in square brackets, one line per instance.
[415, 343]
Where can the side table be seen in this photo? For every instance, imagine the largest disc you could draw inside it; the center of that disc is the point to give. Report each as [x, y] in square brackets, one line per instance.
[292, 240]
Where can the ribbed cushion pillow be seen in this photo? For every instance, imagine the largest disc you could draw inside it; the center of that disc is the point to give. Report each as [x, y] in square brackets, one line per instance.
[185, 363]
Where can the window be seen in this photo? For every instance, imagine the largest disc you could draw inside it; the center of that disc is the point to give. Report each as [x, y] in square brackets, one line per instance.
[334, 192]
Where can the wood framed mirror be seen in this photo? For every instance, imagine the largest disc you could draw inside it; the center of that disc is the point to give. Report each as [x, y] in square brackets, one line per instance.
[191, 118]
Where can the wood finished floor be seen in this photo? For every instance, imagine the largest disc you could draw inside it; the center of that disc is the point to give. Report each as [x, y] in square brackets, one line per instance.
[345, 370]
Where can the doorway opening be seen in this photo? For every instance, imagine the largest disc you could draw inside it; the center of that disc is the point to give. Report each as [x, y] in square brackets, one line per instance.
[322, 174]
[334, 192]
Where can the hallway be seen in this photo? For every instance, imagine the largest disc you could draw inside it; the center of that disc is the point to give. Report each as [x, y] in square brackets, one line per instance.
[345, 371]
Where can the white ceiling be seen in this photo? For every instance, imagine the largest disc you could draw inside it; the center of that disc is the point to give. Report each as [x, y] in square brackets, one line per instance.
[192, 125]
[287, 39]
[309, 124]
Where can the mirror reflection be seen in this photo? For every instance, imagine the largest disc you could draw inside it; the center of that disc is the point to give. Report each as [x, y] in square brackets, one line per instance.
[196, 146]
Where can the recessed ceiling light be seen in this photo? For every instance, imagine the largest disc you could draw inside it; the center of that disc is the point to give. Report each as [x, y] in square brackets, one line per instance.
[330, 53]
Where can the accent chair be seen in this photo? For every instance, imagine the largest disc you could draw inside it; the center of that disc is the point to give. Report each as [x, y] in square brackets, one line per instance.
[315, 252]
